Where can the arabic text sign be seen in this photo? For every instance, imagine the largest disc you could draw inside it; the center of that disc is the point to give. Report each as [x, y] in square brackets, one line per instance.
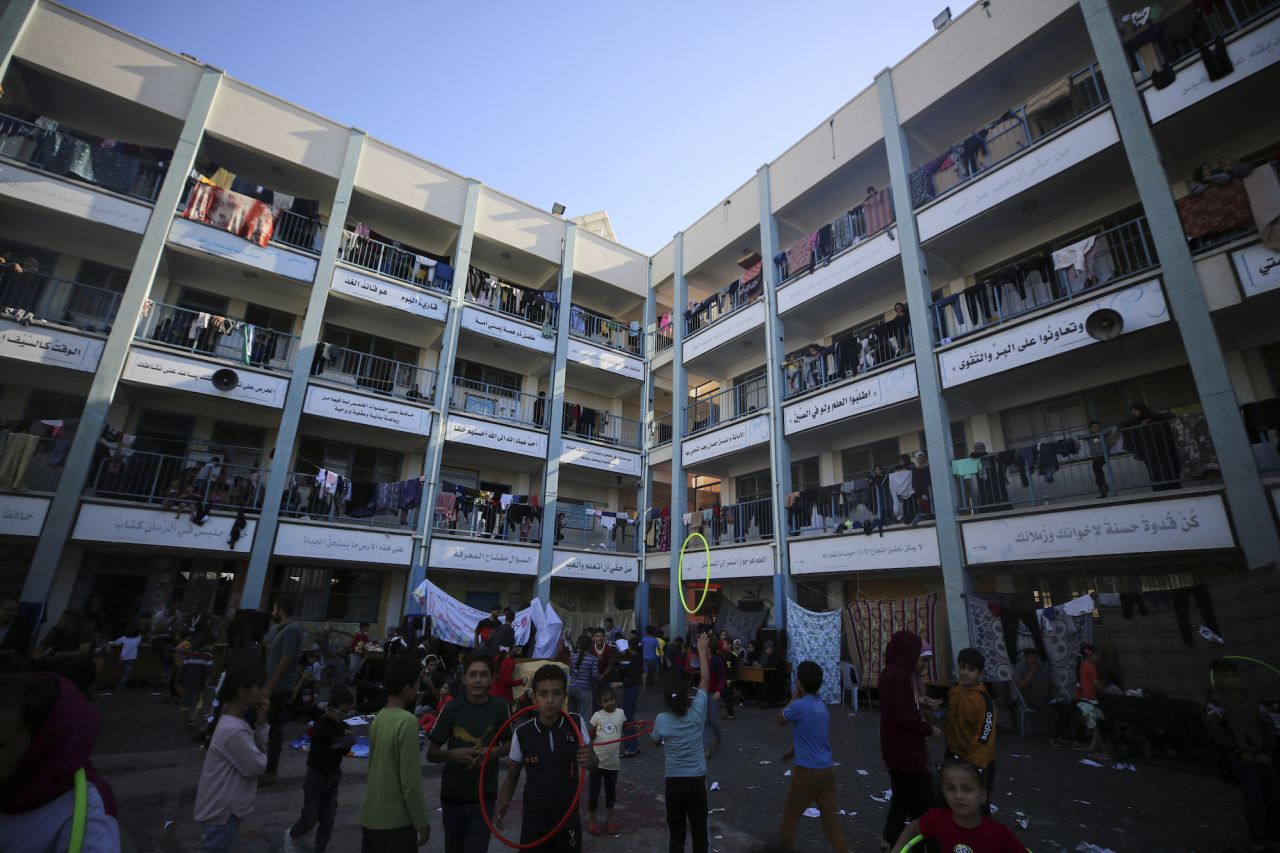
[479, 556]
[224, 244]
[72, 198]
[724, 330]
[341, 543]
[1141, 306]
[1175, 524]
[22, 515]
[605, 359]
[865, 395]
[605, 567]
[1258, 269]
[745, 561]
[411, 300]
[854, 552]
[366, 409]
[856, 261]
[495, 436]
[601, 458]
[507, 329]
[44, 345]
[188, 374]
[736, 436]
[1006, 180]
[137, 526]
[1249, 54]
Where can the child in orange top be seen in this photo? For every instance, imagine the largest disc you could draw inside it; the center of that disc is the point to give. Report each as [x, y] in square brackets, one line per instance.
[970, 726]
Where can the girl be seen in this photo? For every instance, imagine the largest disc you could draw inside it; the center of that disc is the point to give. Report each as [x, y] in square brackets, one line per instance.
[582, 678]
[237, 757]
[961, 825]
[606, 724]
[128, 644]
[1087, 700]
[679, 730]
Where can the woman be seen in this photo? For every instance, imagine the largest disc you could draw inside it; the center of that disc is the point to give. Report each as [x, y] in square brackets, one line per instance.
[1148, 436]
[903, 737]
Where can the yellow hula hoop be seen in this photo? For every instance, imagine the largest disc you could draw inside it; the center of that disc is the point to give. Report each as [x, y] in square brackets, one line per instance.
[706, 547]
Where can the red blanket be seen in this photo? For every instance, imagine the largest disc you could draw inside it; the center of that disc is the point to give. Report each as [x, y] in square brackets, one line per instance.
[231, 211]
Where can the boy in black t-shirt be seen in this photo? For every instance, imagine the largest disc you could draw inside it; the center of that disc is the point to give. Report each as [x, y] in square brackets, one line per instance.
[459, 739]
[330, 741]
[552, 751]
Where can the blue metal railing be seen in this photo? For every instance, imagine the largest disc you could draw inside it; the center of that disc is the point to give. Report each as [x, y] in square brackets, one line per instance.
[26, 296]
[727, 405]
[224, 338]
[62, 152]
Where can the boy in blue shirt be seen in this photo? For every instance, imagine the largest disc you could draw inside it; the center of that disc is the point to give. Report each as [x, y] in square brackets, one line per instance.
[813, 779]
[649, 646]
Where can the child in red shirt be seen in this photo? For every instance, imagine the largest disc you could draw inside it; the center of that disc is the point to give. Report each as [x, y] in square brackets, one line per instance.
[962, 826]
[504, 675]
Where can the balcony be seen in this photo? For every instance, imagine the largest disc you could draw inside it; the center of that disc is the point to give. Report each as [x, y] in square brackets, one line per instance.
[182, 483]
[539, 307]
[660, 431]
[820, 366]
[605, 428]
[1015, 289]
[838, 236]
[30, 296]
[43, 470]
[732, 524]
[223, 338]
[394, 262]
[373, 373]
[585, 531]
[65, 153]
[662, 338]
[619, 335]
[727, 405]
[1222, 18]
[473, 517]
[358, 502]
[723, 303]
[1262, 421]
[472, 397]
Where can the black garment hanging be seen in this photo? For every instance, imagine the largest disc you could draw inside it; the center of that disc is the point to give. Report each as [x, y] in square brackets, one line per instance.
[1010, 617]
[1182, 610]
[1129, 601]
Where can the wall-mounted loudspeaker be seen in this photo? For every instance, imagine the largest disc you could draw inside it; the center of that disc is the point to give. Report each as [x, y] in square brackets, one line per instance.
[1105, 324]
[225, 379]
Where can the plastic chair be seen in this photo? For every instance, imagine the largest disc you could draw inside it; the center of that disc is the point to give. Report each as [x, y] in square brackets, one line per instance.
[849, 683]
[1020, 707]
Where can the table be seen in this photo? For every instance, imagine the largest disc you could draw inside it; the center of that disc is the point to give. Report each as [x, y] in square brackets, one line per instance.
[753, 674]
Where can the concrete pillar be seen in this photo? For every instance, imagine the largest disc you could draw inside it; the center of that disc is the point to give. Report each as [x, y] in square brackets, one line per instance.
[13, 22]
[679, 397]
[645, 499]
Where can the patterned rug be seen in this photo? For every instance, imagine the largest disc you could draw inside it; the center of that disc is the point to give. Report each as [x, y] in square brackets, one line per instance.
[1063, 636]
[874, 621]
[816, 637]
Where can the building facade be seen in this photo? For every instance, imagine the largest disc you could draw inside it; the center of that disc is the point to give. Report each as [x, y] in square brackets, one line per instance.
[250, 349]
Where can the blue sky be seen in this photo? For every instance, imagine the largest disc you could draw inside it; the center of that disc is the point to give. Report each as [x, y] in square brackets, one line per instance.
[653, 111]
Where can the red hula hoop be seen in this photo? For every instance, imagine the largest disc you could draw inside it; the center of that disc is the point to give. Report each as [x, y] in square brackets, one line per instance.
[636, 723]
[573, 808]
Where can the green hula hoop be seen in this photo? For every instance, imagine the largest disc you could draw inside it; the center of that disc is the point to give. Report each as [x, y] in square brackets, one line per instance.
[706, 547]
[1214, 683]
[915, 842]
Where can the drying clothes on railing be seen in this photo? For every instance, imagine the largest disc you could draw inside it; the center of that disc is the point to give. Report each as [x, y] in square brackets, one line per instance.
[1262, 186]
[231, 211]
[1216, 209]
[536, 306]
[877, 211]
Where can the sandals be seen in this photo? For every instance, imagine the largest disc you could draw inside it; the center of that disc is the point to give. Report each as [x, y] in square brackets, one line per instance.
[594, 829]
[612, 829]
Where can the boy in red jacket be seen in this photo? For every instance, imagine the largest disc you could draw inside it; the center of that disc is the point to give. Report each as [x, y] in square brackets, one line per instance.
[903, 737]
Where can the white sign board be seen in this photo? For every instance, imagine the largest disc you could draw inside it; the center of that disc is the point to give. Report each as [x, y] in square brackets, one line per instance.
[421, 303]
[476, 555]
[742, 561]
[22, 515]
[601, 458]
[723, 330]
[342, 543]
[605, 359]
[151, 367]
[495, 436]
[1176, 524]
[1258, 269]
[1006, 180]
[865, 395]
[72, 197]
[1141, 307]
[1249, 54]
[896, 549]
[857, 260]
[507, 329]
[571, 565]
[366, 409]
[45, 345]
[727, 439]
[224, 244]
[138, 526]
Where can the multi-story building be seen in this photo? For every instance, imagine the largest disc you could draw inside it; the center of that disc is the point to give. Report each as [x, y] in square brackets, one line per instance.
[366, 369]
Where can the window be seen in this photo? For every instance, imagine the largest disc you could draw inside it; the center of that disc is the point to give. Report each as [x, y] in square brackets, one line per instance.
[577, 518]
[101, 275]
[325, 594]
[206, 589]
[706, 492]
[269, 318]
[52, 406]
[473, 372]
[959, 446]
[804, 474]
[754, 486]
[856, 462]
[240, 445]
[361, 463]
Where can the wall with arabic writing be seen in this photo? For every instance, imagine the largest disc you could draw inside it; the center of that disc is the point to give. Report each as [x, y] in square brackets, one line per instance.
[513, 592]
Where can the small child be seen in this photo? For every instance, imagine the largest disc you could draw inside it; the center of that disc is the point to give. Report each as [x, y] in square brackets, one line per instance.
[194, 677]
[237, 756]
[128, 644]
[970, 726]
[428, 720]
[962, 824]
[679, 731]
[607, 724]
[1244, 729]
[813, 780]
[329, 744]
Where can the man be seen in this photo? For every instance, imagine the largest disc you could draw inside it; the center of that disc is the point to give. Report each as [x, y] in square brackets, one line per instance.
[505, 635]
[813, 780]
[1096, 446]
[649, 647]
[208, 471]
[330, 656]
[15, 638]
[485, 628]
[356, 658]
[284, 646]
[459, 739]
[393, 816]
[1036, 684]
[611, 634]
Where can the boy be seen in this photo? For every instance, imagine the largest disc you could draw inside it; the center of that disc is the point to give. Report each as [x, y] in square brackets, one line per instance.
[458, 739]
[329, 744]
[393, 816]
[1243, 728]
[814, 777]
[970, 725]
[553, 752]
[194, 677]
[650, 646]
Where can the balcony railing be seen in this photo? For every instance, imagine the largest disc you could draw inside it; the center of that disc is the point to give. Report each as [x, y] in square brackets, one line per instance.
[1019, 128]
[32, 296]
[391, 261]
[868, 219]
[1262, 422]
[607, 428]
[1076, 464]
[820, 366]
[1117, 253]
[621, 335]
[746, 521]
[373, 373]
[589, 533]
[305, 499]
[63, 153]
[472, 397]
[223, 338]
[177, 482]
[660, 430]
[44, 465]
[298, 232]
[662, 339]
[863, 503]
[477, 519]
[1221, 18]
[532, 306]
[727, 405]
[721, 304]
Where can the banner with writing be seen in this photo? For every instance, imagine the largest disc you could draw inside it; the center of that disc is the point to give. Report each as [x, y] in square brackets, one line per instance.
[22, 515]
[153, 527]
[1258, 269]
[601, 458]
[896, 549]
[366, 409]
[433, 306]
[455, 622]
[727, 439]
[604, 567]
[151, 367]
[507, 329]
[342, 543]
[49, 346]
[495, 436]
[865, 395]
[483, 556]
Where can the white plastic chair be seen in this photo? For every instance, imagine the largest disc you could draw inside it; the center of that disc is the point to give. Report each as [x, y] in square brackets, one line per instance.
[1020, 707]
[849, 683]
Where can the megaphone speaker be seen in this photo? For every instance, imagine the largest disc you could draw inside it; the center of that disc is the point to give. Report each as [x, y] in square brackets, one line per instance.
[225, 379]
[1105, 324]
